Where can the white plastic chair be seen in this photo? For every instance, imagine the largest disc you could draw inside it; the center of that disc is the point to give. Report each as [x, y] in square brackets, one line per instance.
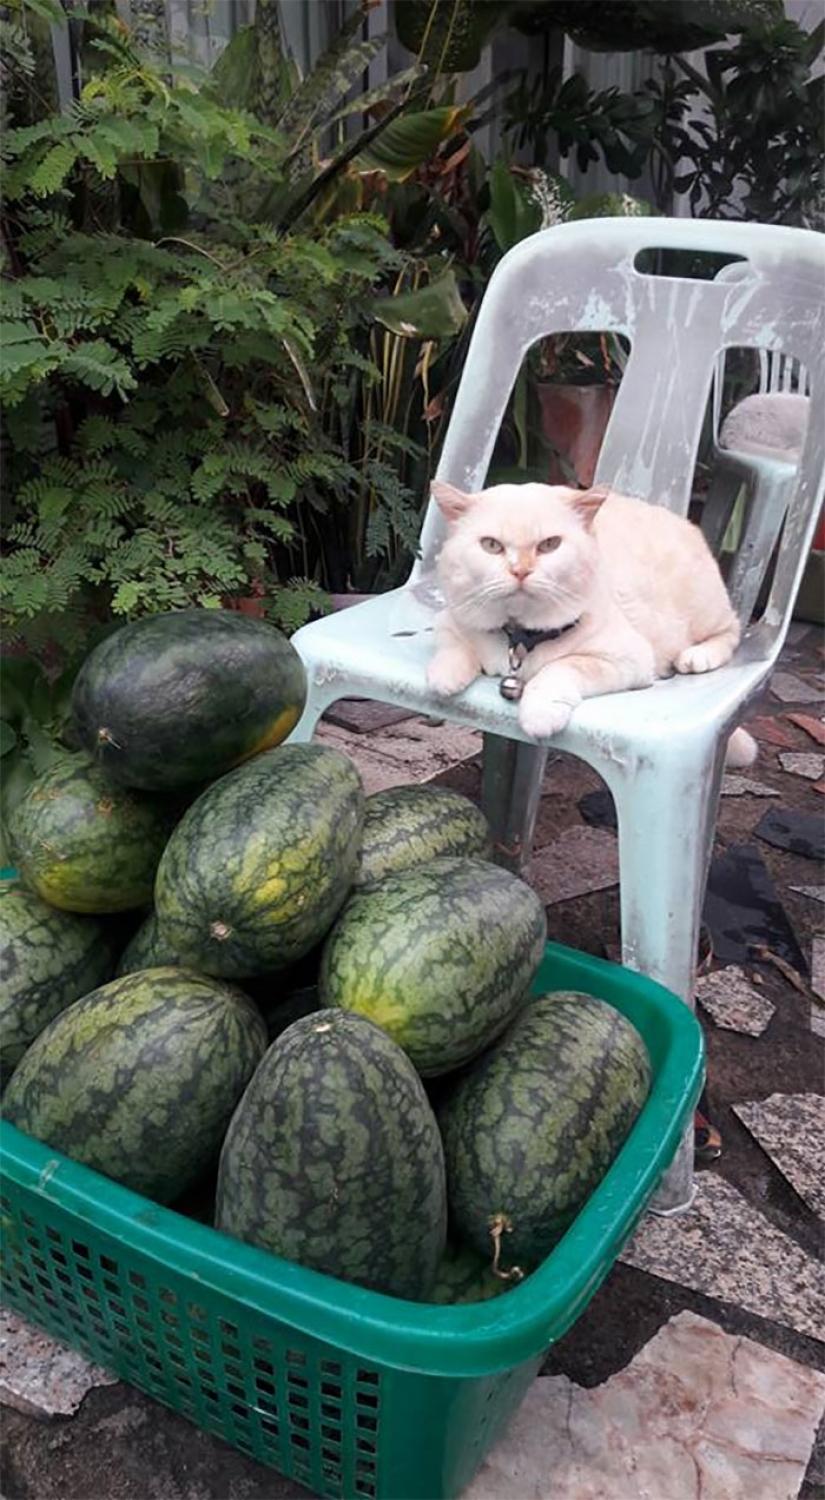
[660, 751]
[746, 501]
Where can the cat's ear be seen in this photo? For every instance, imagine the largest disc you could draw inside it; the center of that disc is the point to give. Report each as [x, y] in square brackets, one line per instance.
[451, 502]
[588, 503]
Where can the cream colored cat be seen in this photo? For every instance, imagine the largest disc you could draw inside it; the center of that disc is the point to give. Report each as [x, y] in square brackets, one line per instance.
[629, 591]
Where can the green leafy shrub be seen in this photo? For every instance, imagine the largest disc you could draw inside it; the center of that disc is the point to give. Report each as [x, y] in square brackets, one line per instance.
[163, 346]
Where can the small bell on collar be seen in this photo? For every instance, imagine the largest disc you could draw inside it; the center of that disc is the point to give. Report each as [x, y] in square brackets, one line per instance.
[511, 687]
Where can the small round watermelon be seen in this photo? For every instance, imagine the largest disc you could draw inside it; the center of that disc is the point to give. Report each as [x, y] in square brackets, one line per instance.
[258, 868]
[139, 1079]
[179, 698]
[85, 843]
[333, 1159]
[48, 959]
[533, 1126]
[441, 956]
[406, 826]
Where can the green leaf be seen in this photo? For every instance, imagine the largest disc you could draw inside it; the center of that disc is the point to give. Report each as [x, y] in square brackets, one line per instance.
[514, 212]
[52, 171]
[447, 35]
[435, 311]
[411, 140]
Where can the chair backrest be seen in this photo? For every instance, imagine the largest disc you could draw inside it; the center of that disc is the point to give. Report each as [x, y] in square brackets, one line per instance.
[585, 276]
[777, 371]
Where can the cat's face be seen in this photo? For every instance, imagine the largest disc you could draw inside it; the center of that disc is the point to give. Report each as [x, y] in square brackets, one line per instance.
[517, 551]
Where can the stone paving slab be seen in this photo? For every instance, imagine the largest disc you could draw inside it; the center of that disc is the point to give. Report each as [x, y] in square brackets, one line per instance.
[726, 1248]
[733, 1002]
[789, 688]
[699, 1414]
[790, 1128]
[581, 859]
[40, 1377]
[402, 753]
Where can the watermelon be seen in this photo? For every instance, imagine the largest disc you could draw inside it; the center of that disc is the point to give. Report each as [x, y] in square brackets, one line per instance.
[257, 869]
[139, 1079]
[465, 1276]
[87, 844]
[410, 825]
[441, 956]
[180, 698]
[145, 950]
[48, 959]
[333, 1159]
[532, 1128]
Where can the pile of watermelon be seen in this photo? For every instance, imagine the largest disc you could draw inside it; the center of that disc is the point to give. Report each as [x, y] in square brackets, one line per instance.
[224, 964]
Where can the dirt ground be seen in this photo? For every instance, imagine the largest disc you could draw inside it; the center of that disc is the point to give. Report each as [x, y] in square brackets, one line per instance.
[122, 1446]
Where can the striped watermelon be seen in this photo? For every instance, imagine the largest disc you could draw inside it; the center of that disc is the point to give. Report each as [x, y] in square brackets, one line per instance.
[410, 825]
[48, 959]
[465, 1276]
[333, 1159]
[440, 956]
[257, 869]
[86, 844]
[531, 1129]
[180, 698]
[139, 1079]
[146, 950]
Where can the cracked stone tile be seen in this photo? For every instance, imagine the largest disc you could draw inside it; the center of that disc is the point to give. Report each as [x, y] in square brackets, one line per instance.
[790, 1128]
[803, 763]
[733, 1002]
[697, 1413]
[771, 732]
[814, 727]
[789, 688]
[40, 1377]
[740, 786]
[816, 892]
[362, 716]
[581, 859]
[742, 908]
[726, 1248]
[794, 831]
[403, 753]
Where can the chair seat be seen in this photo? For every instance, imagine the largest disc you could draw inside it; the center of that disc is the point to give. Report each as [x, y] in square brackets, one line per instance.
[380, 649]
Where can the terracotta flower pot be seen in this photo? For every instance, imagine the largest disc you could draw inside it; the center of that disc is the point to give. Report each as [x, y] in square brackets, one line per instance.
[574, 419]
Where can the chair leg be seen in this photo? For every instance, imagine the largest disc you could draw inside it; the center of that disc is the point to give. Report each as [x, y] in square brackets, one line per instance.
[719, 506]
[511, 783]
[667, 807]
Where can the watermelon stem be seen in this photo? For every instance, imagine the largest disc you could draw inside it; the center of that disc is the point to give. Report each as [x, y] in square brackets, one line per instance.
[105, 737]
[499, 1225]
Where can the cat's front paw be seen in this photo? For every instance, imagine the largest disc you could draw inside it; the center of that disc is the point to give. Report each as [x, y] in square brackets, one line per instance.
[541, 718]
[450, 672]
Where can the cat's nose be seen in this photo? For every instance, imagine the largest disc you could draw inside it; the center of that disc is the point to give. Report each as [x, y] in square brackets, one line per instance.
[520, 570]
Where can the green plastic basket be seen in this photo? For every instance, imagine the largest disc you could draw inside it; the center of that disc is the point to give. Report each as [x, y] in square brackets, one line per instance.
[347, 1391]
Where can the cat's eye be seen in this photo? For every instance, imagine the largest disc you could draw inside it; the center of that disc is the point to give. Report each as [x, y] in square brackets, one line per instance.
[549, 544]
[491, 544]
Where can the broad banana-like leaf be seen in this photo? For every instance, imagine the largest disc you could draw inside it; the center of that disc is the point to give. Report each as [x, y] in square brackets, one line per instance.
[331, 78]
[378, 95]
[657, 25]
[447, 35]
[435, 311]
[411, 140]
